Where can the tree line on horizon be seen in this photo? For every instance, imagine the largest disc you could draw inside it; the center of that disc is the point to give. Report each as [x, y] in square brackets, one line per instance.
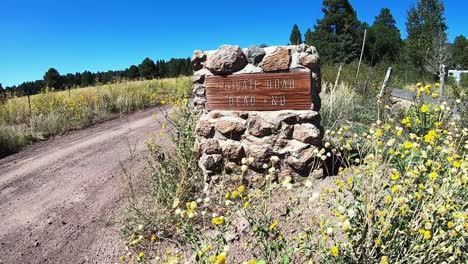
[339, 35]
[147, 69]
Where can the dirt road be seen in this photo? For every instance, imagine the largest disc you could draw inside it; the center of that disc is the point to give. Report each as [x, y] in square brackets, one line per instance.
[59, 199]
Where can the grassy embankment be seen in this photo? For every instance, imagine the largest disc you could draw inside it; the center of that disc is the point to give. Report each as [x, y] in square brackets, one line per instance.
[54, 113]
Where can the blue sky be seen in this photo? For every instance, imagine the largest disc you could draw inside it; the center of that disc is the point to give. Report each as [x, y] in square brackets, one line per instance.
[100, 35]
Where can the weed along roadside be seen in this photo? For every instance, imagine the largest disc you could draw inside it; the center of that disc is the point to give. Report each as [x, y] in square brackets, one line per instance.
[253, 179]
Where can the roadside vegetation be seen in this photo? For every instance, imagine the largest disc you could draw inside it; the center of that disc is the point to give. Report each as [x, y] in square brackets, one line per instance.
[52, 113]
[399, 196]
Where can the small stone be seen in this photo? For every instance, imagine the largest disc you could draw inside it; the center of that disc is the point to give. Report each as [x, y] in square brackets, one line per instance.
[211, 146]
[302, 48]
[199, 101]
[199, 76]
[204, 129]
[260, 128]
[210, 164]
[36, 244]
[230, 126]
[255, 180]
[198, 60]
[292, 147]
[295, 65]
[277, 117]
[199, 90]
[261, 153]
[227, 60]
[250, 68]
[304, 162]
[255, 54]
[277, 61]
[308, 116]
[233, 150]
[312, 50]
[307, 133]
[308, 60]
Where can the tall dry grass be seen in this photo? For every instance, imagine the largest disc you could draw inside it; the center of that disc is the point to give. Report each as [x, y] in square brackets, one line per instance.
[52, 113]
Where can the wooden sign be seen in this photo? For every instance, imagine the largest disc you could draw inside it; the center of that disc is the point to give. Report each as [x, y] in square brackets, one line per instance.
[262, 91]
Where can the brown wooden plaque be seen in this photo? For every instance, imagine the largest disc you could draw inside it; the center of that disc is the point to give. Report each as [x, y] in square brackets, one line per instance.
[260, 91]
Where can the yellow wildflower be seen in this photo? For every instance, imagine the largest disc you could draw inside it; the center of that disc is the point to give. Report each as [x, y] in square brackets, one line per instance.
[234, 194]
[378, 133]
[273, 225]
[207, 248]
[433, 175]
[388, 198]
[430, 136]
[417, 196]
[405, 120]
[427, 235]
[395, 176]
[384, 260]
[141, 255]
[252, 261]
[334, 251]
[408, 145]
[221, 258]
[424, 108]
[217, 220]
[450, 224]
[241, 189]
[246, 204]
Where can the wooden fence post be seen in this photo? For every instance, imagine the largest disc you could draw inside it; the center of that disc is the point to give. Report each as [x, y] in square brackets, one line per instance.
[332, 91]
[383, 96]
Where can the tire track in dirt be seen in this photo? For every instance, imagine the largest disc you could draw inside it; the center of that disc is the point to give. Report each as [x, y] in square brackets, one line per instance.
[60, 198]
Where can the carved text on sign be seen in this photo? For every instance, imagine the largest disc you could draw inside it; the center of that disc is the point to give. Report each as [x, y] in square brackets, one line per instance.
[265, 91]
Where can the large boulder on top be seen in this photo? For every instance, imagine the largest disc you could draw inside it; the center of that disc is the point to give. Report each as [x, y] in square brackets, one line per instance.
[255, 54]
[278, 60]
[227, 60]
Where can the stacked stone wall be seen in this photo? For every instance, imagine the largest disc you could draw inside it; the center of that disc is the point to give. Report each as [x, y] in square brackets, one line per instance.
[224, 138]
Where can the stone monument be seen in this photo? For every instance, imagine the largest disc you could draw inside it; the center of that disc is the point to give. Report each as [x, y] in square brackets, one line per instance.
[258, 102]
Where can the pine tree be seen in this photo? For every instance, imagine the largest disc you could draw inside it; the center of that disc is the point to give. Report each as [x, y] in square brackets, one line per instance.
[308, 37]
[335, 35]
[384, 40]
[296, 37]
[147, 68]
[133, 72]
[87, 79]
[425, 21]
[460, 53]
[52, 79]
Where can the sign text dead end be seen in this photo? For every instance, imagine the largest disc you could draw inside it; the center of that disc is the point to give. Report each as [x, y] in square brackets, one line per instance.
[263, 91]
